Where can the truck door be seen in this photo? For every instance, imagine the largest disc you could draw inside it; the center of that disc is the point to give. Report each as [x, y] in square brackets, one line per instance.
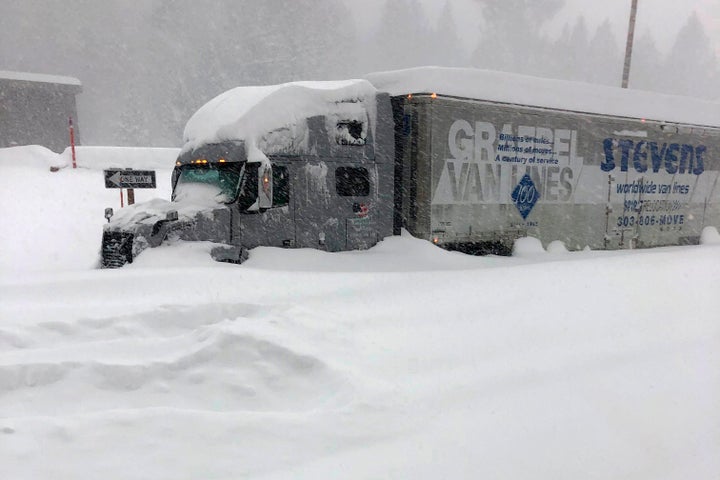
[274, 226]
[334, 211]
[316, 222]
[354, 187]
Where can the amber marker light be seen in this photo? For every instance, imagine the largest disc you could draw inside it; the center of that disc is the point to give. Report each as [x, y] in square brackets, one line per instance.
[434, 95]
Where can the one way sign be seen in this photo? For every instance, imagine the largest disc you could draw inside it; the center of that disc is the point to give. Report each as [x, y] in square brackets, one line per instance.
[117, 178]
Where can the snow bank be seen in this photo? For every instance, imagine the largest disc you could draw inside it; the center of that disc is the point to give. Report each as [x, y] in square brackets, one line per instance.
[527, 246]
[31, 156]
[710, 236]
[53, 220]
[534, 91]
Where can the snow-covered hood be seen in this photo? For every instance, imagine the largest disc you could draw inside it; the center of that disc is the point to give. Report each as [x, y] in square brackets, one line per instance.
[148, 225]
[150, 212]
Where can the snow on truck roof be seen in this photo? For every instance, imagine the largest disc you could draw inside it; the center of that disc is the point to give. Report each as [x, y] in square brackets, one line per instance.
[549, 93]
[248, 113]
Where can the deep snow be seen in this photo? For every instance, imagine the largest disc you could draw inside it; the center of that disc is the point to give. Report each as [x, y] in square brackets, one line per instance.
[404, 361]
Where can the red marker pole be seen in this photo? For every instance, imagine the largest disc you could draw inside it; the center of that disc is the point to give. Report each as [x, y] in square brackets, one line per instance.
[72, 142]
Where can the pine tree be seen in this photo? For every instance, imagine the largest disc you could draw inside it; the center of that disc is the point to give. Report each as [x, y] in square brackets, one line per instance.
[445, 48]
[403, 37]
[579, 65]
[511, 37]
[646, 66]
[691, 66]
[605, 58]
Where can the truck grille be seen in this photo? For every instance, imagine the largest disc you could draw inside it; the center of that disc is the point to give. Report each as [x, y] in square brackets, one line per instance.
[116, 249]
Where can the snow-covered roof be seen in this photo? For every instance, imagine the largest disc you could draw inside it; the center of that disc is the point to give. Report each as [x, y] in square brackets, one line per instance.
[247, 113]
[39, 77]
[542, 92]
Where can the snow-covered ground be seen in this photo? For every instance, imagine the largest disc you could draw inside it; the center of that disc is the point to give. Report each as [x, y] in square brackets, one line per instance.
[401, 362]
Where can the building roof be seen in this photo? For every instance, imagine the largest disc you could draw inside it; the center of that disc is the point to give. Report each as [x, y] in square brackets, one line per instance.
[39, 77]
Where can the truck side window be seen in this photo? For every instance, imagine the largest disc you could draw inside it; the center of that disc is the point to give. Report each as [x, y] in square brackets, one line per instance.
[249, 186]
[350, 133]
[352, 182]
[281, 186]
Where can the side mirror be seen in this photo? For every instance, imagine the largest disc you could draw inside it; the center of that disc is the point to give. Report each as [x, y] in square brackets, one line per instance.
[265, 188]
[171, 216]
[108, 214]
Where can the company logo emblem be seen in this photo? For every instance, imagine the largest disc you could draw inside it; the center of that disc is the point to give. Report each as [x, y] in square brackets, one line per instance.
[525, 196]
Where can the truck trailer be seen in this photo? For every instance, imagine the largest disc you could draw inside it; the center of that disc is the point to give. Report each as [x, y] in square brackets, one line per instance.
[470, 160]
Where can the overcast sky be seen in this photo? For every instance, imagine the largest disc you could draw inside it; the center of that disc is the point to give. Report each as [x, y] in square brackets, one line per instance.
[662, 18]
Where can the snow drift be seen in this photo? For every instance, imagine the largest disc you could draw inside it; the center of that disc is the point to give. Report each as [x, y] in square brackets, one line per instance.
[403, 361]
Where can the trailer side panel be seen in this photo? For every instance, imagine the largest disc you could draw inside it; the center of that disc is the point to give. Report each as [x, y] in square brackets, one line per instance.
[498, 172]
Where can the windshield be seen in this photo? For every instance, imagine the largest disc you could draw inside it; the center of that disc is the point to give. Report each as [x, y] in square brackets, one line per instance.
[216, 181]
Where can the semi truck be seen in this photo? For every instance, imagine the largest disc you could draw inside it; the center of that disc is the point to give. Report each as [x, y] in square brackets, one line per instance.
[469, 160]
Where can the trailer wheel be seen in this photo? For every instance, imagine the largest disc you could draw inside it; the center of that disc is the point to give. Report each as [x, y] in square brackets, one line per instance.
[229, 254]
[481, 248]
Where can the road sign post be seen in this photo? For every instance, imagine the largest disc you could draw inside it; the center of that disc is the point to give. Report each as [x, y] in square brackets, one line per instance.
[130, 179]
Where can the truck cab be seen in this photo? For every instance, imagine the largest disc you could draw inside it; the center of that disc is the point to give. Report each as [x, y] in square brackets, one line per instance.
[323, 182]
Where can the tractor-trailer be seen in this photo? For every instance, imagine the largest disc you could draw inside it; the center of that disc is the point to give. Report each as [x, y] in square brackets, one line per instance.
[467, 159]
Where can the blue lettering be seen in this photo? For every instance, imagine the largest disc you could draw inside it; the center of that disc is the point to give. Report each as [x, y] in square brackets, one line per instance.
[687, 152]
[625, 147]
[657, 156]
[609, 164]
[699, 163]
[671, 158]
[640, 157]
[676, 158]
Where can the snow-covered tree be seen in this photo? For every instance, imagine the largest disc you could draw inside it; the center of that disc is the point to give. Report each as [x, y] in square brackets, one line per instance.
[403, 38]
[646, 68]
[571, 52]
[511, 35]
[606, 61]
[691, 67]
[445, 48]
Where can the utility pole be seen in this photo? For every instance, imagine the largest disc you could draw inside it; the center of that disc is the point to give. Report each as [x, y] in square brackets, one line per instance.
[629, 45]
